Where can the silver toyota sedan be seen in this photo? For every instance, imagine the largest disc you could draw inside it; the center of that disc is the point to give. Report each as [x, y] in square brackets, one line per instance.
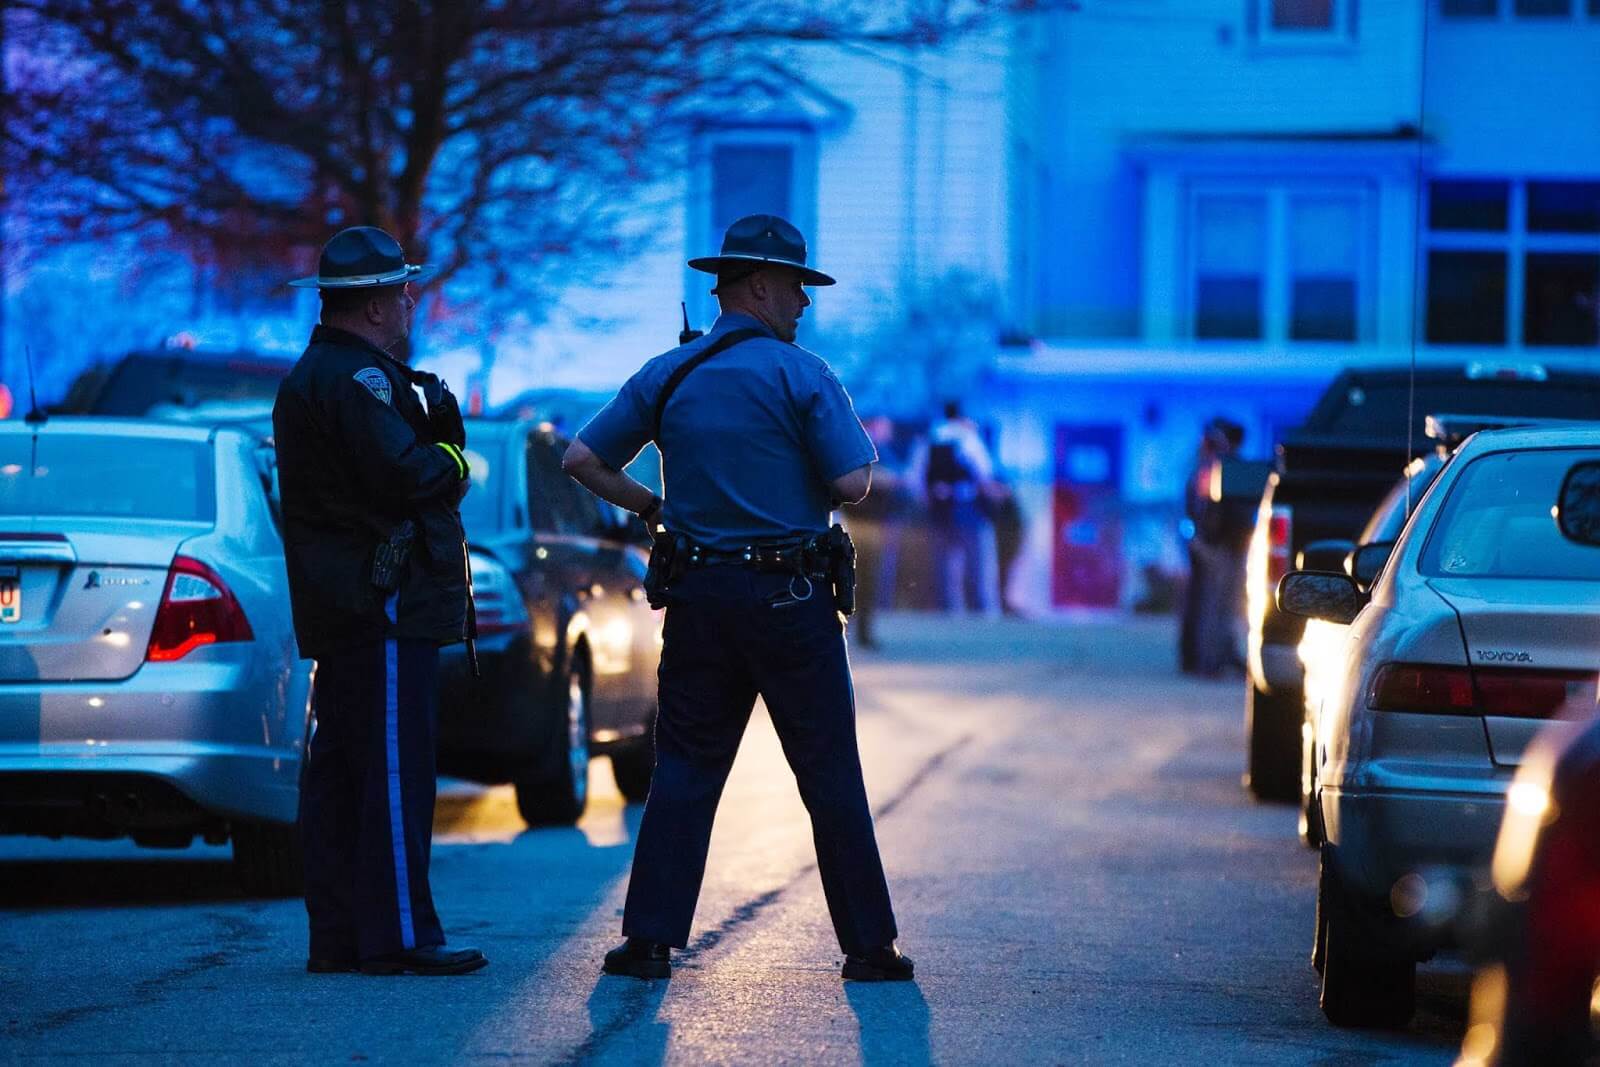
[1483, 626]
[149, 681]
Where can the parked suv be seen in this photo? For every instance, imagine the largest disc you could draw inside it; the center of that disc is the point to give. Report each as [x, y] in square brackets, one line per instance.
[568, 646]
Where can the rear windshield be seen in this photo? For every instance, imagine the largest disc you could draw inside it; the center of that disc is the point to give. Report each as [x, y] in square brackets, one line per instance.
[1498, 521]
[1380, 408]
[140, 383]
[109, 477]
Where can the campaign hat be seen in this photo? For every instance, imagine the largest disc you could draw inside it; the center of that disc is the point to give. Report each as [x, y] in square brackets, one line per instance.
[758, 240]
[363, 257]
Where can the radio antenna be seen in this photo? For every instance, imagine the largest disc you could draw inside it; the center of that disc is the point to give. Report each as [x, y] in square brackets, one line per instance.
[35, 416]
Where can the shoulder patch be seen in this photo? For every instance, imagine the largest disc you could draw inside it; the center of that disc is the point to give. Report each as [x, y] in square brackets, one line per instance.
[377, 383]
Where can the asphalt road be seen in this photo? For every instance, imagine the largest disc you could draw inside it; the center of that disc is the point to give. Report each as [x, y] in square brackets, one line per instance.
[1074, 865]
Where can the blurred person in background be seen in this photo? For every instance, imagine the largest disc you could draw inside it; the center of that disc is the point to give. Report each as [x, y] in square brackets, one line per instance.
[1010, 526]
[870, 521]
[1209, 632]
[956, 473]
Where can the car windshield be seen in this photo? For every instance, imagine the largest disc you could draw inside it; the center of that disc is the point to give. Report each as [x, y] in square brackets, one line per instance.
[106, 477]
[1498, 522]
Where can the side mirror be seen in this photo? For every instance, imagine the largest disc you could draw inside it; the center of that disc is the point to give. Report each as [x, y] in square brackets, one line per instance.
[1324, 555]
[1320, 595]
[1368, 561]
[1578, 507]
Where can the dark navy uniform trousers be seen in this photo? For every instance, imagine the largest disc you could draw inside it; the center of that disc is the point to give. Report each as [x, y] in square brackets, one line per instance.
[366, 805]
[732, 634]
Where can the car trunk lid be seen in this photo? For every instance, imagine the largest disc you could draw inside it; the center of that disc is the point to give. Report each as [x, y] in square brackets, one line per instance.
[77, 602]
[1534, 646]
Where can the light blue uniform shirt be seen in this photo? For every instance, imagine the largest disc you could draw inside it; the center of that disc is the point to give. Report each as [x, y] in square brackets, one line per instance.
[749, 441]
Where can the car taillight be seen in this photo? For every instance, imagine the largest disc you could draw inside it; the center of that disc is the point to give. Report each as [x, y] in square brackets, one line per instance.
[197, 608]
[1533, 694]
[1280, 529]
[495, 596]
[1420, 687]
[1501, 692]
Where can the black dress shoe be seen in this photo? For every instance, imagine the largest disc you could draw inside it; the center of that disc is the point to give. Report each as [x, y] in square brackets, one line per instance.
[330, 965]
[880, 965]
[638, 958]
[433, 960]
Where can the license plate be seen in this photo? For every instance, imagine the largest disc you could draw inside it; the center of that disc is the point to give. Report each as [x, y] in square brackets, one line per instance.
[10, 595]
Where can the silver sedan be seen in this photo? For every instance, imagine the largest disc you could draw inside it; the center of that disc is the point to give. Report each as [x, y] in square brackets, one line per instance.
[1483, 627]
[149, 682]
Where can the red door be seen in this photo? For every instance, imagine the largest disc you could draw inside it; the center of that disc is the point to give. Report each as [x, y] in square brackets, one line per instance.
[1087, 569]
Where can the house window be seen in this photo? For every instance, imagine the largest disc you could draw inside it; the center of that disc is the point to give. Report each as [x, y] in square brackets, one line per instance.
[1312, 15]
[1230, 267]
[1305, 22]
[1324, 268]
[1513, 263]
[750, 179]
[748, 170]
[1280, 264]
[1522, 9]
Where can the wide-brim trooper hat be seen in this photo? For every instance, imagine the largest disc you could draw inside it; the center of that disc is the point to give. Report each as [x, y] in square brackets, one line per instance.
[758, 240]
[363, 257]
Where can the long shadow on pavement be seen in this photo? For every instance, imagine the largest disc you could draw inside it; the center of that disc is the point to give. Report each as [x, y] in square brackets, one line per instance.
[893, 1018]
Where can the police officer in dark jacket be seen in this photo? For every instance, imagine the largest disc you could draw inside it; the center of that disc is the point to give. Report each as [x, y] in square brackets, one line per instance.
[370, 482]
[759, 442]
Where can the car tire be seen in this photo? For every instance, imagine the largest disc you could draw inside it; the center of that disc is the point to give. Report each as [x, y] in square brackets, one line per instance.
[267, 859]
[633, 764]
[557, 793]
[1272, 735]
[1363, 986]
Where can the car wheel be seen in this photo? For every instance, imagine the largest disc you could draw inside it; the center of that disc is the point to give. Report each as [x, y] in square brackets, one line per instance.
[267, 860]
[558, 794]
[632, 764]
[1272, 733]
[1362, 985]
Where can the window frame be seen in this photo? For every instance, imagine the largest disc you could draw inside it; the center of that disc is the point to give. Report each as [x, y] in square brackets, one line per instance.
[1516, 242]
[1277, 307]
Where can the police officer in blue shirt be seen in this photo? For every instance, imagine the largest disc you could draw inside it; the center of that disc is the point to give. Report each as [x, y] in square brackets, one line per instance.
[759, 442]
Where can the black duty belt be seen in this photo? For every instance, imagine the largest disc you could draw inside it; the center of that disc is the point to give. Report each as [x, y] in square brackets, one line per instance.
[789, 557]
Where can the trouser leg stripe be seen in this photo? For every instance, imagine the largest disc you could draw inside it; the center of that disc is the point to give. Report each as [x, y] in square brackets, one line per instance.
[391, 709]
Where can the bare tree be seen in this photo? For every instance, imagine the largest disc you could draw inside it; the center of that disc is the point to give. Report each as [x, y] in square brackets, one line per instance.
[499, 138]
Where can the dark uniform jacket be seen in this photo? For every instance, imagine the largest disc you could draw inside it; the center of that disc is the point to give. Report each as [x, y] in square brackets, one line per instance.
[357, 455]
